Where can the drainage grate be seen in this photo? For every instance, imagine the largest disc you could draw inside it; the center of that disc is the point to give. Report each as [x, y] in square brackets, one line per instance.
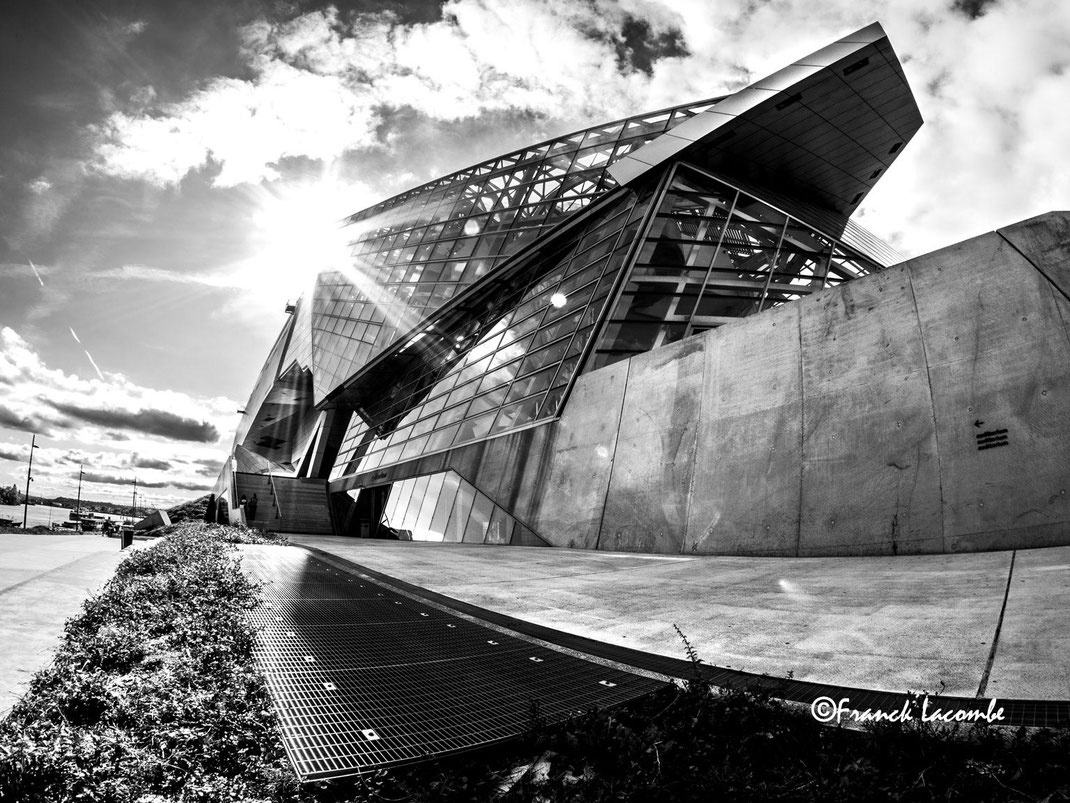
[364, 677]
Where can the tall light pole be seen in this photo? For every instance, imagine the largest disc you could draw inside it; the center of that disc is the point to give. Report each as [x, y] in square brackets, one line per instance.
[133, 514]
[29, 479]
[78, 504]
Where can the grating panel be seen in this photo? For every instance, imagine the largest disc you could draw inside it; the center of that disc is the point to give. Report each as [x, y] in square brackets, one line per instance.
[365, 677]
[1017, 712]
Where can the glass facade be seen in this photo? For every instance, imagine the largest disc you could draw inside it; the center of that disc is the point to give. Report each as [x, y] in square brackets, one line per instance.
[445, 507]
[414, 252]
[510, 365]
[713, 254]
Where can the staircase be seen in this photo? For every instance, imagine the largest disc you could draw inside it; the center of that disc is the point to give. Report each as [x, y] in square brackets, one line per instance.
[301, 505]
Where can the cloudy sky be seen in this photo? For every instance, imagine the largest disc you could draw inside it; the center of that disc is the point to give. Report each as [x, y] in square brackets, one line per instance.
[168, 167]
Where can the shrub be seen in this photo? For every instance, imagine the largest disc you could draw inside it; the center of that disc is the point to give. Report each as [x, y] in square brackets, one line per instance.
[153, 691]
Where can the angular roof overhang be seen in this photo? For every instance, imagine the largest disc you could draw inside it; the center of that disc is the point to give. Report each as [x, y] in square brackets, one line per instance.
[825, 128]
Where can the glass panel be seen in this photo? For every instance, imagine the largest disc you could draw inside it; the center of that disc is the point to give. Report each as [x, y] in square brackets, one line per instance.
[479, 521]
[446, 498]
[442, 439]
[462, 507]
[516, 415]
[416, 501]
[500, 529]
[427, 510]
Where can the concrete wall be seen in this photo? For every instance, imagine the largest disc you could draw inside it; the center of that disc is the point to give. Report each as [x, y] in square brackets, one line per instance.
[844, 424]
[847, 423]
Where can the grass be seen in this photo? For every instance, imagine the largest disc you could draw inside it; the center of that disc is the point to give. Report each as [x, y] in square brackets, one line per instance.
[154, 698]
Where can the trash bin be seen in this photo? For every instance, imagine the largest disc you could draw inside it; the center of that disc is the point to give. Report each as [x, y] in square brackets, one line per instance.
[126, 538]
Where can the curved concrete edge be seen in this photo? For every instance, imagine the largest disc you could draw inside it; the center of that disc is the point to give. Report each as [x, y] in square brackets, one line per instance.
[922, 623]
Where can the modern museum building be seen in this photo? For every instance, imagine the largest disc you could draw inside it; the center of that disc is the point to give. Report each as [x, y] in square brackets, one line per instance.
[665, 334]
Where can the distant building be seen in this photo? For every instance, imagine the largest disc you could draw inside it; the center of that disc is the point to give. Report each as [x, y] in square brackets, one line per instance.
[649, 335]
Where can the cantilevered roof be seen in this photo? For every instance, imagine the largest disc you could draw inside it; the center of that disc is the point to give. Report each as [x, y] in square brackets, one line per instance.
[827, 126]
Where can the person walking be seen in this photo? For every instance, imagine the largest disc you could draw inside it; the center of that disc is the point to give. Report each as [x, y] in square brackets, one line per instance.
[210, 509]
[250, 508]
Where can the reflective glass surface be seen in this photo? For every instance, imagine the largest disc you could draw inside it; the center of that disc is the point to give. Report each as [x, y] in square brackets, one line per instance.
[713, 254]
[445, 507]
[508, 365]
[412, 253]
[299, 347]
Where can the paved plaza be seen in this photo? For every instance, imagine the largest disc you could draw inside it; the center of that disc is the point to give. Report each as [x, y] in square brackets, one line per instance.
[43, 581]
[905, 623]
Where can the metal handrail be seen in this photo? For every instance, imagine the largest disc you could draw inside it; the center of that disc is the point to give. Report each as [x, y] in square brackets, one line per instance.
[275, 495]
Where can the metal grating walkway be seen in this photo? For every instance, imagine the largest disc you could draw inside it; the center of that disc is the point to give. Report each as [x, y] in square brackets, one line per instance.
[364, 676]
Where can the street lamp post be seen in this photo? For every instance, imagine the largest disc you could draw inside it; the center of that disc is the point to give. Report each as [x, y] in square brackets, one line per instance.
[78, 504]
[29, 479]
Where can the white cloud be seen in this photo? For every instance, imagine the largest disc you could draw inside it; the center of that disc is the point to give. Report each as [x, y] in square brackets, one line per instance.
[320, 82]
[991, 89]
[39, 185]
[153, 426]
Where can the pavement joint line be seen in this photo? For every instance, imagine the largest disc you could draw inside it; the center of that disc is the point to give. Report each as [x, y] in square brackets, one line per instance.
[999, 626]
[1047, 713]
[54, 570]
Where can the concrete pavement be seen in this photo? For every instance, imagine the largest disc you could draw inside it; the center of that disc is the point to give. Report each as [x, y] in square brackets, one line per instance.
[914, 623]
[43, 581]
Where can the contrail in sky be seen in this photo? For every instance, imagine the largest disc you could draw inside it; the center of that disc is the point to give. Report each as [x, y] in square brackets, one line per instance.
[90, 356]
[73, 334]
[35, 273]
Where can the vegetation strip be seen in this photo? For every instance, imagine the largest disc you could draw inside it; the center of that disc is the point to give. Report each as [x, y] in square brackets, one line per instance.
[153, 692]
[154, 698]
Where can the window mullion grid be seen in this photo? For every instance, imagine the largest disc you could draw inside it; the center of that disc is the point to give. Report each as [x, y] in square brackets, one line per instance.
[624, 272]
[690, 328]
[542, 318]
[772, 265]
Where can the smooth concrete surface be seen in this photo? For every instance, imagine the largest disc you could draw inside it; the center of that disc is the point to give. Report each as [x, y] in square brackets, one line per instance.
[654, 459]
[906, 623]
[44, 579]
[864, 419]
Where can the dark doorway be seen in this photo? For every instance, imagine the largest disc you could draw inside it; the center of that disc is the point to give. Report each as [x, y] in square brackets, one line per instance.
[364, 514]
